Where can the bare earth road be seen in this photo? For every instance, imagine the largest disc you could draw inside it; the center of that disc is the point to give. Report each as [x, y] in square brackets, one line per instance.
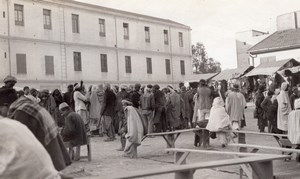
[109, 163]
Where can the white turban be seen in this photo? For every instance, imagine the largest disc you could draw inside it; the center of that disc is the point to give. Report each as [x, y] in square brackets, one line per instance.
[77, 86]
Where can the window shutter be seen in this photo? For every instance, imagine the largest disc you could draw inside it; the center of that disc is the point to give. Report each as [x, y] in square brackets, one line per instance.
[49, 65]
[104, 63]
[149, 65]
[128, 64]
[182, 67]
[168, 67]
[21, 64]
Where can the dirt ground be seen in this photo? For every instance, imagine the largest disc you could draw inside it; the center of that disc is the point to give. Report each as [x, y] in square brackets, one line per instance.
[109, 163]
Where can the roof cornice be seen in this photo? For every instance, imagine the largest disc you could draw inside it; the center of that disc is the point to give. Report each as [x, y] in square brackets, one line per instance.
[274, 49]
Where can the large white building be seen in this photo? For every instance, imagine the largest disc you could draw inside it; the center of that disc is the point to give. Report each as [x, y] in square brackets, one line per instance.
[244, 41]
[282, 44]
[52, 43]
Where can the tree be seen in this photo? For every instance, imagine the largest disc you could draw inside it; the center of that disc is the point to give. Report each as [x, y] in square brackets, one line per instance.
[201, 62]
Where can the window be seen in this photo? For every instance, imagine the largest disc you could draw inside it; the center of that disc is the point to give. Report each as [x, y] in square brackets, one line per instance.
[21, 64]
[126, 31]
[128, 64]
[102, 27]
[49, 65]
[182, 67]
[103, 58]
[147, 34]
[149, 65]
[47, 18]
[168, 67]
[3, 14]
[166, 37]
[75, 23]
[180, 39]
[19, 15]
[77, 61]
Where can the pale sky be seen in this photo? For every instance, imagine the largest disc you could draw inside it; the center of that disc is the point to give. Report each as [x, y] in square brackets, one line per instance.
[213, 22]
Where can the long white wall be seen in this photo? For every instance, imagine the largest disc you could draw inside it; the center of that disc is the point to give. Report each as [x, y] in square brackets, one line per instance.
[60, 42]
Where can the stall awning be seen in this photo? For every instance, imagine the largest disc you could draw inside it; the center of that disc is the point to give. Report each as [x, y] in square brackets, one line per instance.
[197, 77]
[232, 73]
[270, 68]
[293, 70]
[263, 71]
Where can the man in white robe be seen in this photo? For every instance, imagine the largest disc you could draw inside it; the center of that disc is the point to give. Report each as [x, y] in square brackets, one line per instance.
[294, 124]
[284, 107]
[135, 129]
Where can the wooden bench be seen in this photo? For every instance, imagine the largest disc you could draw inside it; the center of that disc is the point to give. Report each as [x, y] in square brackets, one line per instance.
[262, 167]
[181, 155]
[283, 150]
[172, 136]
[77, 156]
[241, 135]
[257, 147]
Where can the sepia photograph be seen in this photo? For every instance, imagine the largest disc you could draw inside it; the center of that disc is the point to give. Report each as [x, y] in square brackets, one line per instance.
[149, 89]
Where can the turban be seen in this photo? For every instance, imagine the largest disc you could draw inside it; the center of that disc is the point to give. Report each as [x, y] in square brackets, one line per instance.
[62, 106]
[77, 86]
[10, 78]
[126, 101]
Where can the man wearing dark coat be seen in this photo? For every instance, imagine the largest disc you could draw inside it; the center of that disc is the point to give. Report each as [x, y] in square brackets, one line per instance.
[68, 97]
[135, 96]
[184, 107]
[160, 121]
[42, 125]
[74, 128]
[108, 111]
[259, 98]
[7, 94]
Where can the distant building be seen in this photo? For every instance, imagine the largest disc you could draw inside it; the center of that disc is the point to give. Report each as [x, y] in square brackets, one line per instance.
[282, 44]
[244, 41]
[52, 43]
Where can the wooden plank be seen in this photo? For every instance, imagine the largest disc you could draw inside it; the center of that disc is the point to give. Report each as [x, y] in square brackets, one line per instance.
[167, 140]
[171, 139]
[252, 132]
[262, 170]
[216, 152]
[174, 132]
[286, 142]
[266, 147]
[185, 174]
[245, 168]
[202, 165]
[177, 135]
[180, 157]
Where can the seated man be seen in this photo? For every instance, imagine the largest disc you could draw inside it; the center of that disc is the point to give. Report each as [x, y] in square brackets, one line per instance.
[74, 128]
[43, 127]
[22, 156]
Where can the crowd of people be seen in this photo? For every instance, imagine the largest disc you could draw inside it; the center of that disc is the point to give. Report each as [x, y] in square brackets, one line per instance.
[276, 110]
[135, 110]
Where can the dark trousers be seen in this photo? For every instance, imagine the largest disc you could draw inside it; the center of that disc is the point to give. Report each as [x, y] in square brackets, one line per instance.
[202, 137]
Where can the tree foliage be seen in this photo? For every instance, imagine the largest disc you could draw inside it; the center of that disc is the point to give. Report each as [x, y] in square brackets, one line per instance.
[201, 62]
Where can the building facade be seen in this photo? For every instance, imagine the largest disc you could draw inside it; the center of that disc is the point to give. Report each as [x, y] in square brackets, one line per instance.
[282, 44]
[52, 43]
[244, 41]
